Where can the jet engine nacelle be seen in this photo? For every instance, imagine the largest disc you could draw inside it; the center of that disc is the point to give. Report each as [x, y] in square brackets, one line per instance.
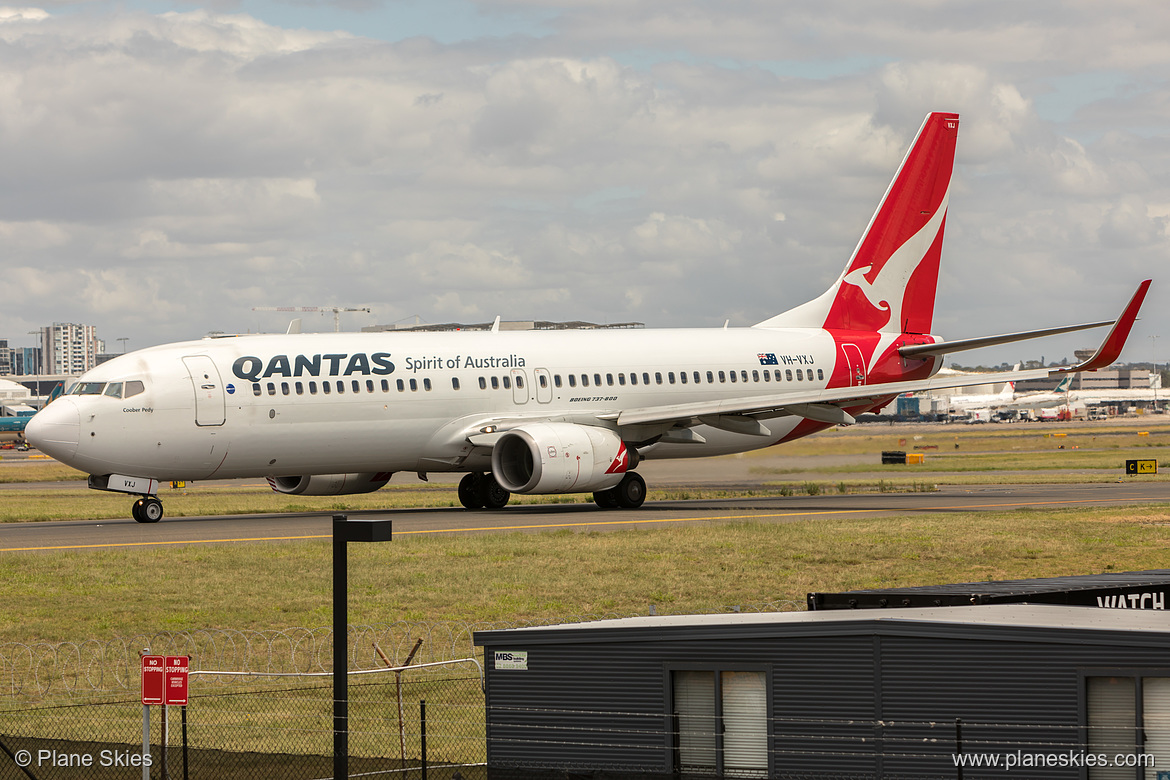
[559, 458]
[330, 484]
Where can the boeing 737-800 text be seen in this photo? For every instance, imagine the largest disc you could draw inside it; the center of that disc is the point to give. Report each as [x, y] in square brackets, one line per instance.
[538, 411]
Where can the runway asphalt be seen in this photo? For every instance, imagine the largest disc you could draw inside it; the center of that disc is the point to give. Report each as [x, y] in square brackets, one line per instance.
[270, 528]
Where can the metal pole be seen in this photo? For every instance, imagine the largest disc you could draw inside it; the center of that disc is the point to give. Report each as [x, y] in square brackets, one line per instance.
[145, 726]
[185, 742]
[166, 741]
[398, 681]
[344, 532]
[145, 740]
[422, 717]
[958, 748]
[1158, 380]
[340, 651]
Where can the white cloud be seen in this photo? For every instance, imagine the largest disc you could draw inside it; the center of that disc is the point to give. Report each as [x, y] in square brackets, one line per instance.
[162, 174]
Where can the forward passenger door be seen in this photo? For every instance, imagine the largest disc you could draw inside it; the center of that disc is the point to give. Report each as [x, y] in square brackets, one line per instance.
[209, 395]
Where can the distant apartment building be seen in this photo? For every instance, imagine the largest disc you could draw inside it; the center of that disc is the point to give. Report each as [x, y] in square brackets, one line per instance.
[68, 348]
[26, 361]
[19, 361]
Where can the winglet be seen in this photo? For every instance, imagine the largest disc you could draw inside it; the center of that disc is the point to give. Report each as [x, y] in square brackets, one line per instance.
[1110, 348]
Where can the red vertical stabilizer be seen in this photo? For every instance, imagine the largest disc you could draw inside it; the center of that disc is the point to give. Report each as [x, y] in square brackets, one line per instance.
[890, 281]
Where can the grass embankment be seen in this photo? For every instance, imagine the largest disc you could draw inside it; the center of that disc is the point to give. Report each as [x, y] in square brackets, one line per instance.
[556, 575]
[1039, 453]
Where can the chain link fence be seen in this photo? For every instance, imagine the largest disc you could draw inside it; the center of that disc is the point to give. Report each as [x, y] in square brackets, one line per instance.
[260, 705]
[282, 729]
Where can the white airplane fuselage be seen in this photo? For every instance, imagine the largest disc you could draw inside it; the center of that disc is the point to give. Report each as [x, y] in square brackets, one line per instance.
[255, 406]
[535, 412]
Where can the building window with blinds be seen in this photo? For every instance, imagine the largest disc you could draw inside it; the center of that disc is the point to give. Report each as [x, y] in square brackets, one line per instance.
[721, 723]
[1128, 719]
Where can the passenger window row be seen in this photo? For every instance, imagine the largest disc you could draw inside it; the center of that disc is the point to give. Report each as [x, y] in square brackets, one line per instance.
[328, 387]
[691, 377]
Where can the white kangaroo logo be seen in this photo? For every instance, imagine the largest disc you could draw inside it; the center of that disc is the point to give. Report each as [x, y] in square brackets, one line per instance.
[885, 293]
[872, 292]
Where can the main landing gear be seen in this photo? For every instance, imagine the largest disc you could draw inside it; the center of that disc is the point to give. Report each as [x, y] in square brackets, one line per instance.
[630, 493]
[147, 509]
[481, 491]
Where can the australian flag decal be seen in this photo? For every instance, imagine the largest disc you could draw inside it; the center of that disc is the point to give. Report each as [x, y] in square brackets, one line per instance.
[768, 359]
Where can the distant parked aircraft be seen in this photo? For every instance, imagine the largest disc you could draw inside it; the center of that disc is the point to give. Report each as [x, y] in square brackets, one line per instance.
[13, 427]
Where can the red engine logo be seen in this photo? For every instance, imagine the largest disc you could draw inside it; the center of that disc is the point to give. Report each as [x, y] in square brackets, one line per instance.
[620, 463]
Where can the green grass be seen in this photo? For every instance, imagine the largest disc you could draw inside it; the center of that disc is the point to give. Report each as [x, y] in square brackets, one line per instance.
[1018, 437]
[78, 595]
[518, 576]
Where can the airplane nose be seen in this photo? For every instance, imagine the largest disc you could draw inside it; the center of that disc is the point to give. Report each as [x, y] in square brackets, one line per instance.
[55, 430]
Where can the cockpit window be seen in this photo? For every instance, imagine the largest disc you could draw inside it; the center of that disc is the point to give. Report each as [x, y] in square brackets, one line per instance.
[111, 389]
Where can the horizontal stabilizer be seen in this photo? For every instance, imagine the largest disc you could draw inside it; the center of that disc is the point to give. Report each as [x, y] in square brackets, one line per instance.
[947, 347]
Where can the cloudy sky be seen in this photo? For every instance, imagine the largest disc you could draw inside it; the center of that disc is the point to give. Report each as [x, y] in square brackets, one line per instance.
[165, 166]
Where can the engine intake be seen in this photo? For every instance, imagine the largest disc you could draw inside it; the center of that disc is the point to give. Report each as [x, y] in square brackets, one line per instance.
[330, 484]
[559, 458]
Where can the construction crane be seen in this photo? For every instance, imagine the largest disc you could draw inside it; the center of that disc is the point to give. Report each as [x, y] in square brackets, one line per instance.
[337, 310]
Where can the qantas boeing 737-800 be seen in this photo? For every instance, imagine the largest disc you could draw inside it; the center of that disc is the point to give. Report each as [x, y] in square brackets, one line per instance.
[538, 411]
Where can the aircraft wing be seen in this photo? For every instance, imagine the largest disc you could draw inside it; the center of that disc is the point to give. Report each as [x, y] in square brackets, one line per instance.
[827, 405]
[823, 405]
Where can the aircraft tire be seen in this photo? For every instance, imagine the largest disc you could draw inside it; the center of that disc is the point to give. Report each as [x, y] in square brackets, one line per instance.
[469, 491]
[631, 491]
[606, 499]
[492, 494]
[147, 510]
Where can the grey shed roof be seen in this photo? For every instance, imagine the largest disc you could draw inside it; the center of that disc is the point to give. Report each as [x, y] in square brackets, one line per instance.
[1074, 589]
[1062, 623]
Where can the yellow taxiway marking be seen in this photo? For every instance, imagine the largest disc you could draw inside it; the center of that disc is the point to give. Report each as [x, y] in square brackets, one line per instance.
[159, 543]
[419, 531]
[648, 521]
